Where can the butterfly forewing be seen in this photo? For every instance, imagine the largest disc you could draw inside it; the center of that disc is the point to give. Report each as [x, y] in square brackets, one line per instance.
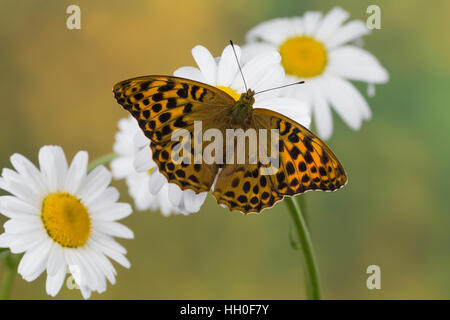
[303, 156]
[163, 104]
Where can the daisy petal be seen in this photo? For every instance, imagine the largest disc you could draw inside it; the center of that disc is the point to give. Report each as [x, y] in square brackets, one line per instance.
[156, 182]
[273, 31]
[55, 260]
[54, 283]
[165, 201]
[104, 264]
[13, 207]
[15, 226]
[27, 169]
[113, 254]
[61, 167]
[85, 292]
[108, 198]
[289, 107]
[5, 240]
[206, 63]
[104, 241]
[52, 168]
[115, 212]
[76, 268]
[99, 283]
[7, 176]
[143, 160]
[348, 32]
[357, 98]
[128, 127]
[33, 260]
[90, 273]
[122, 167]
[297, 26]
[190, 73]
[311, 21]
[37, 272]
[356, 64]
[273, 77]
[337, 95]
[22, 191]
[330, 23]
[140, 140]
[165, 205]
[114, 229]
[228, 67]
[255, 69]
[138, 187]
[354, 97]
[119, 258]
[300, 92]
[96, 182]
[322, 113]
[193, 201]
[251, 50]
[76, 172]
[19, 243]
[176, 194]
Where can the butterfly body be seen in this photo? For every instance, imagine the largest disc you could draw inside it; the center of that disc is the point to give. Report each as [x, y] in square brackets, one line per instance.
[243, 108]
[164, 104]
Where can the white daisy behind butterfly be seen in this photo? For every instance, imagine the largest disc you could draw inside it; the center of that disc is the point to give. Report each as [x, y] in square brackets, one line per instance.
[262, 72]
[316, 49]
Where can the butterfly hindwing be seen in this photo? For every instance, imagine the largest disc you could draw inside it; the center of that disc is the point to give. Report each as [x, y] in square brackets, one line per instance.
[241, 187]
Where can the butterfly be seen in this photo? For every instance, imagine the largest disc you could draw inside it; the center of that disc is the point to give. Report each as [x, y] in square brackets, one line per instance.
[163, 104]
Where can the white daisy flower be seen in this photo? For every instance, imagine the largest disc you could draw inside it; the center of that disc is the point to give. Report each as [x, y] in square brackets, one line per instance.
[316, 49]
[148, 187]
[262, 72]
[63, 220]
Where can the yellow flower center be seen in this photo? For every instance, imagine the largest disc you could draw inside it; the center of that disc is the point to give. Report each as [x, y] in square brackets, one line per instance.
[150, 171]
[230, 91]
[303, 57]
[66, 220]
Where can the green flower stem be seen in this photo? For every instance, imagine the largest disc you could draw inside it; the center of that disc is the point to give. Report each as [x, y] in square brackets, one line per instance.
[10, 262]
[305, 243]
[302, 204]
[102, 161]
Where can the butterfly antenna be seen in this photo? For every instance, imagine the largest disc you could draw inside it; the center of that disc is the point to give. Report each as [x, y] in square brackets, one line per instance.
[237, 60]
[287, 85]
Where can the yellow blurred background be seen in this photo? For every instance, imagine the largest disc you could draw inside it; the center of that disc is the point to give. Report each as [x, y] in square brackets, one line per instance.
[55, 88]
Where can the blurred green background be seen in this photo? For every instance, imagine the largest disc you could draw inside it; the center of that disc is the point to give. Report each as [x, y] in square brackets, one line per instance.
[55, 88]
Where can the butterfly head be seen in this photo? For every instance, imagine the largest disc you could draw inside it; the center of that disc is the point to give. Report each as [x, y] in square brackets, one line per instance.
[248, 97]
